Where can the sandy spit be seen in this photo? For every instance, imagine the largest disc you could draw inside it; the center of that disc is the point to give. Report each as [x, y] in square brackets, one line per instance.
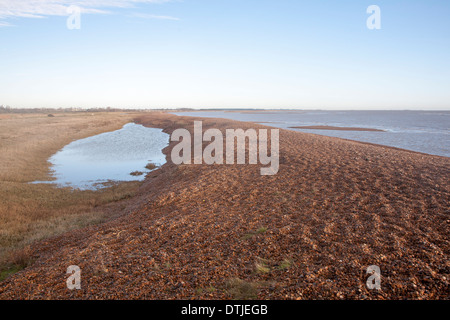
[224, 231]
[338, 128]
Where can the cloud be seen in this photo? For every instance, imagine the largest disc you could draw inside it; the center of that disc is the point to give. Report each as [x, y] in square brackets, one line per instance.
[44, 8]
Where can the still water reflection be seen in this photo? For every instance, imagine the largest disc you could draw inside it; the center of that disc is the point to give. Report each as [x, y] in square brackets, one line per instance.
[90, 163]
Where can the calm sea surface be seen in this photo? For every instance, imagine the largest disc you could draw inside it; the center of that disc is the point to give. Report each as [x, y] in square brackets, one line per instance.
[422, 131]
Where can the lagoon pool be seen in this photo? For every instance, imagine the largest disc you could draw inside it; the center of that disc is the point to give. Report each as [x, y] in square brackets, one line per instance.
[92, 163]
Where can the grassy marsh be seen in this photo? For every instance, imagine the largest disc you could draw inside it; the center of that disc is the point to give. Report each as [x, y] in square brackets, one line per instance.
[31, 212]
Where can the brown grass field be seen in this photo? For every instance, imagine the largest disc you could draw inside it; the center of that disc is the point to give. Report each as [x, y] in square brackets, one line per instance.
[30, 212]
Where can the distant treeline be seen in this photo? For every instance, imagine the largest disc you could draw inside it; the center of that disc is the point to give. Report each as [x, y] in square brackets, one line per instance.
[8, 109]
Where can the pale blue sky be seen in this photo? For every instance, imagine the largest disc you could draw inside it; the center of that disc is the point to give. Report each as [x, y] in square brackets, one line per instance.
[226, 54]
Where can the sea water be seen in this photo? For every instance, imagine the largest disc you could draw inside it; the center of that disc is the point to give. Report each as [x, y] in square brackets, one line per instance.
[422, 131]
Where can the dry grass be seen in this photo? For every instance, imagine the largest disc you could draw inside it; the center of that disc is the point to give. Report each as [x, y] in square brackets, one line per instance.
[240, 289]
[30, 212]
[151, 166]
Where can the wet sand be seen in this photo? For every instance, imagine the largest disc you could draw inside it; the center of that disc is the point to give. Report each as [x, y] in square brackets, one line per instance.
[338, 128]
[224, 231]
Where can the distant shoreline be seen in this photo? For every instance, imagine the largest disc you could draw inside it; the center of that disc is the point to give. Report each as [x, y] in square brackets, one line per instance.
[338, 128]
